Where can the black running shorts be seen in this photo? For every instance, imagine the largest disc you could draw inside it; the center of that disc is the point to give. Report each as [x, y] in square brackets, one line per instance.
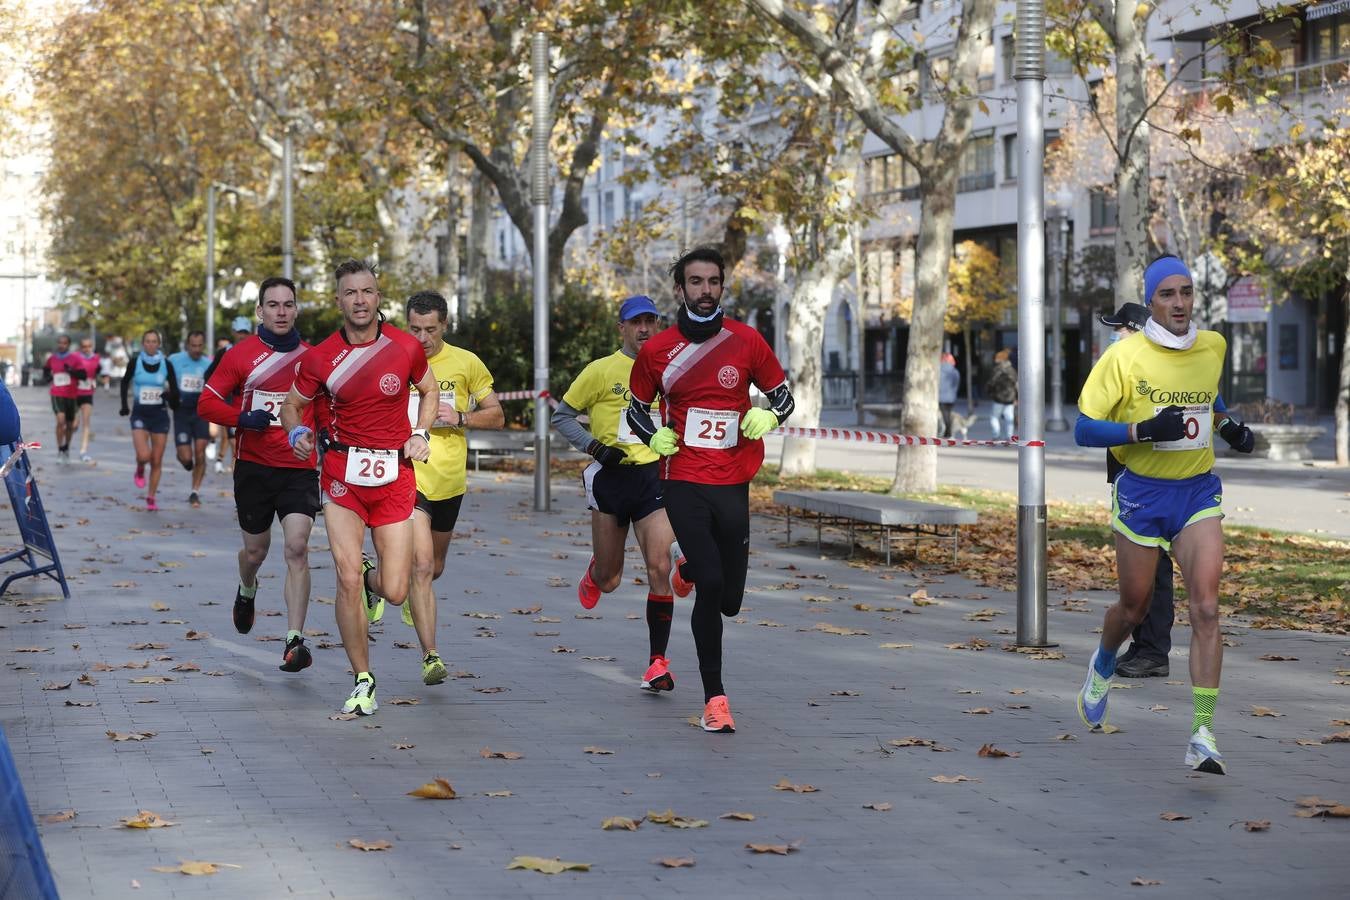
[629, 493]
[443, 513]
[261, 492]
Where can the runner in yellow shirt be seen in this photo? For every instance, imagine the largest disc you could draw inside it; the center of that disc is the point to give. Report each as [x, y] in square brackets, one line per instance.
[1150, 398]
[623, 486]
[467, 401]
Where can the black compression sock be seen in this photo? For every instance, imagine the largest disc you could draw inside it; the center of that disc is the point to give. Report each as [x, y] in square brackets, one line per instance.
[660, 609]
[712, 684]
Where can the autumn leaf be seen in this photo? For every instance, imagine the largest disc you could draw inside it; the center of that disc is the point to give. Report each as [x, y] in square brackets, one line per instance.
[878, 807]
[1110, 729]
[978, 711]
[159, 607]
[676, 862]
[64, 815]
[480, 615]
[1140, 881]
[892, 646]
[778, 849]
[197, 635]
[497, 794]
[1065, 737]
[598, 751]
[1314, 807]
[738, 816]
[33, 650]
[553, 866]
[147, 645]
[989, 751]
[439, 789]
[670, 818]
[951, 779]
[527, 611]
[80, 703]
[972, 644]
[1275, 657]
[785, 785]
[489, 753]
[120, 736]
[1256, 825]
[57, 686]
[1173, 817]
[1260, 711]
[186, 667]
[491, 690]
[834, 629]
[1340, 737]
[616, 823]
[152, 679]
[920, 742]
[344, 717]
[146, 819]
[404, 701]
[194, 867]
[368, 846]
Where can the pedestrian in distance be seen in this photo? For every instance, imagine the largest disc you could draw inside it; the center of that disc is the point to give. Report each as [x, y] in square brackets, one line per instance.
[366, 480]
[949, 384]
[1001, 389]
[245, 390]
[623, 485]
[1151, 399]
[151, 380]
[64, 370]
[464, 399]
[711, 441]
[191, 433]
[85, 384]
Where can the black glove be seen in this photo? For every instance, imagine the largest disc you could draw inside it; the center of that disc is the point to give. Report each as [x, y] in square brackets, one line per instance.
[1238, 436]
[256, 419]
[124, 412]
[605, 454]
[1168, 425]
[75, 368]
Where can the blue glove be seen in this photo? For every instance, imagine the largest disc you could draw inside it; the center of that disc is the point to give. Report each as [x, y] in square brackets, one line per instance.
[664, 442]
[256, 419]
[758, 422]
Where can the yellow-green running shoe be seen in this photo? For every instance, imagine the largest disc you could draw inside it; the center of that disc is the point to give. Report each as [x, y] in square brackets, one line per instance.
[362, 699]
[373, 601]
[405, 612]
[433, 669]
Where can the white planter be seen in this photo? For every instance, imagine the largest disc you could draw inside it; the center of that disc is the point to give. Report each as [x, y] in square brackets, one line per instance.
[1284, 442]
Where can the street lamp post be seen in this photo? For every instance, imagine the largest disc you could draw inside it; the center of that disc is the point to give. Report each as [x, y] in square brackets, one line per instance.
[211, 268]
[287, 210]
[1059, 216]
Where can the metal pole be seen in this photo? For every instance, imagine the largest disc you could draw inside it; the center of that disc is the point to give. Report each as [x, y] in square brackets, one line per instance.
[1055, 418]
[540, 128]
[1030, 75]
[287, 211]
[211, 269]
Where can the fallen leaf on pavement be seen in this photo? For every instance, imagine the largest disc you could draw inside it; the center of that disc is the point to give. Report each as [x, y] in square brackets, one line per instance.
[1275, 657]
[738, 816]
[404, 701]
[131, 735]
[670, 818]
[33, 650]
[969, 691]
[438, 789]
[403, 746]
[779, 849]
[920, 742]
[845, 693]
[1265, 711]
[561, 649]
[152, 679]
[369, 845]
[195, 867]
[676, 862]
[527, 611]
[785, 785]
[79, 703]
[344, 717]
[497, 794]
[159, 607]
[1256, 825]
[491, 690]
[186, 667]
[598, 751]
[972, 644]
[1144, 882]
[64, 815]
[1111, 729]
[197, 635]
[86, 679]
[991, 752]
[879, 807]
[834, 629]
[57, 686]
[1315, 807]
[1340, 737]
[146, 819]
[1065, 737]
[616, 823]
[489, 753]
[480, 615]
[894, 646]
[1173, 817]
[978, 711]
[147, 645]
[951, 779]
[547, 866]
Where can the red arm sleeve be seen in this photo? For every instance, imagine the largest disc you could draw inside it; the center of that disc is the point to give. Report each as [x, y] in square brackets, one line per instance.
[223, 382]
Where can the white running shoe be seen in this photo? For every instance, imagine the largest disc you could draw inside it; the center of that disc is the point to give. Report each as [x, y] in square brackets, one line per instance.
[1202, 753]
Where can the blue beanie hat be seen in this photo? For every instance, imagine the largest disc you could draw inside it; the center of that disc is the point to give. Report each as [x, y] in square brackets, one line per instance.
[1161, 268]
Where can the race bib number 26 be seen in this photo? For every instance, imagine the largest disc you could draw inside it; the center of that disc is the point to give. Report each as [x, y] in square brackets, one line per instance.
[711, 429]
[371, 468]
[1199, 421]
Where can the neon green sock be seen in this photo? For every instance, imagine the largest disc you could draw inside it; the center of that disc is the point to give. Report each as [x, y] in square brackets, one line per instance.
[292, 635]
[1204, 698]
[248, 593]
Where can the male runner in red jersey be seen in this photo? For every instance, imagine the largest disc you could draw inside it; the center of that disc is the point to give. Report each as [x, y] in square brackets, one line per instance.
[84, 395]
[710, 441]
[367, 475]
[268, 478]
[64, 371]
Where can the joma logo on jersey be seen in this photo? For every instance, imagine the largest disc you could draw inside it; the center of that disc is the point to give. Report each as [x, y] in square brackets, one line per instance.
[674, 351]
[260, 357]
[337, 359]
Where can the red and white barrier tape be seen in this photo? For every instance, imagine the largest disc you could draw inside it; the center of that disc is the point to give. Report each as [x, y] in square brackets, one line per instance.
[527, 395]
[14, 457]
[885, 437]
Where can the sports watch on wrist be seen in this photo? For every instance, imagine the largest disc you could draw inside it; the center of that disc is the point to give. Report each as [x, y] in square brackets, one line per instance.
[422, 433]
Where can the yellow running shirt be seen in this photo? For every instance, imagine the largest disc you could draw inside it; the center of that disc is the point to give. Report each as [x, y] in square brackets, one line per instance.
[602, 388]
[462, 376]
[1135, 379]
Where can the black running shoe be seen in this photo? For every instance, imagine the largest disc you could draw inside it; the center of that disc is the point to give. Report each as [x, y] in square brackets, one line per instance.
[296, 656]
[243, 612]
[194, 501]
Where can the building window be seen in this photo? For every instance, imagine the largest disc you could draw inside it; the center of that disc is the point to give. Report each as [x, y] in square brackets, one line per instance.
[1010, 157]
[1104, 212]
[1329, 37]
[1054, 63]
[886, 174]
[911, 11]
[1093, 86]
[984, 75]
[607, 218]
[934, 74]
[976, 171]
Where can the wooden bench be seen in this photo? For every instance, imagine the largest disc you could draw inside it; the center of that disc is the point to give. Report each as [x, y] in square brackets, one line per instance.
[879, 511]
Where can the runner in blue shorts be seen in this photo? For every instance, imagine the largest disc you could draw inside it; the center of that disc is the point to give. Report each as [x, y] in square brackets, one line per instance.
[1151, 399]
[150, 379]
[191, 433]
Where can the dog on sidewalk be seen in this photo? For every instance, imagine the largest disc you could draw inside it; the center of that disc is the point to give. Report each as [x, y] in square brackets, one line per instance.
[961, 425]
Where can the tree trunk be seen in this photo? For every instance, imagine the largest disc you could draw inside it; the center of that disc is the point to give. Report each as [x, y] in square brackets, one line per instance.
[1132, 136]
[480, 215]
[811, 301]
[916, 467]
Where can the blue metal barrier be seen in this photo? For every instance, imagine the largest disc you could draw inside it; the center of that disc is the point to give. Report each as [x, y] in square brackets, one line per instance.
[24, 874]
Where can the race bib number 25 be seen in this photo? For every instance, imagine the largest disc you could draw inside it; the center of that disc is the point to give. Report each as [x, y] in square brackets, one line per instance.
[1199, 421]
[711, 429]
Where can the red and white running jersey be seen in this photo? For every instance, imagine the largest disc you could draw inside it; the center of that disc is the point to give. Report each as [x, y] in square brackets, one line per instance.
[84, 386]
[368, 384]
[705, 389]
[260, 378]
[63, 381]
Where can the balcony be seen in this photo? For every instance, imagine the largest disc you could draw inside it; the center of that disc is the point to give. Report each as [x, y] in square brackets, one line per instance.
[1324, 76]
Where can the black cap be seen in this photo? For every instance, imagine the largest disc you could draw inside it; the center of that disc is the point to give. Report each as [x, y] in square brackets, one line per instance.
[1130, 315]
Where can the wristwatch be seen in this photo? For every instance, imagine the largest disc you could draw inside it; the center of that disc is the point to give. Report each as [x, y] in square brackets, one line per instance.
[422, 433]
[462, 419]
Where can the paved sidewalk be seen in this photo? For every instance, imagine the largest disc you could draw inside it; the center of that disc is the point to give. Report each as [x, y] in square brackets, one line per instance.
[256, 774]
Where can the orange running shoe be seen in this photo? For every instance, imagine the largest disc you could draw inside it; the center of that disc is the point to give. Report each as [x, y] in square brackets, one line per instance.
[717, 716]
[658, 677]
[588, 592]
[677, 582]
